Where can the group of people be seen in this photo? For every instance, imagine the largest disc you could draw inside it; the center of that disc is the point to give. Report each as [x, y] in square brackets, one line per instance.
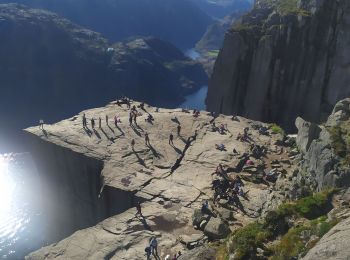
[227, 188]
[222, 128]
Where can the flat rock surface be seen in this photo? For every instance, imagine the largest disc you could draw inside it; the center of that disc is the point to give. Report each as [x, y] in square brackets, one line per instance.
[171, 195]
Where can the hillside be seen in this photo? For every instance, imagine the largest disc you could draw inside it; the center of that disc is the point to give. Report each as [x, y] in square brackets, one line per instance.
[182, 23]
[282, 60]
[62, 68]
[218, 9]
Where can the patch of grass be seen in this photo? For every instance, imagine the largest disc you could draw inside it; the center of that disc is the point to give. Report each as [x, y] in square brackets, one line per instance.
[314, 206]
[276, 129]
[246, 240]
[291, 244]
[213, 53]
[286, 7]
[221, 253]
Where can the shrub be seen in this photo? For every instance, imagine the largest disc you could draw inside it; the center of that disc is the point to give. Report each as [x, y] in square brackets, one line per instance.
[246, 240]
[314, 206]
[275, 129]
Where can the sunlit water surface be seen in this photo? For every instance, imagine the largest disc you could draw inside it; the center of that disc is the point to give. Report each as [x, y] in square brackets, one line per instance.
[22, 222]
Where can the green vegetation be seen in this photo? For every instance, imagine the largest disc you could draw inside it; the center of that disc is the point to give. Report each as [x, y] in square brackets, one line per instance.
[286, 7]
[340, 141]
[292, 243]
[245, 241]
[275, 129]
[213, 53]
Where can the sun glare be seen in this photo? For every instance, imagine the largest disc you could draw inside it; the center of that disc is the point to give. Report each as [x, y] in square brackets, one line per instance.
[7, 186]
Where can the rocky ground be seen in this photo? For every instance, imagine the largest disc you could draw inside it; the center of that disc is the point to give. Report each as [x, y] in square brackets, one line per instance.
[172, 181]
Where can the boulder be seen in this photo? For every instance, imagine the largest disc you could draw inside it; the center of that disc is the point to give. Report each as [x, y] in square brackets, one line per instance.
[200, 253]
[333, 245]
[307, 132]
[216, 229]
[199, 217]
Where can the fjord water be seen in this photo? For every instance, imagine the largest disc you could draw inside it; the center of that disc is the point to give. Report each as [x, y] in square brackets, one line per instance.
[22, 222]
[195, 100]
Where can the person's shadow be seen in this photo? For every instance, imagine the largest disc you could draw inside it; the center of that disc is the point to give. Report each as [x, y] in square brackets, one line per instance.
[176, 149]
[97, 134]
[45, 133]
[154, 151]
[87, 131]
[139, 159]
[144, 223]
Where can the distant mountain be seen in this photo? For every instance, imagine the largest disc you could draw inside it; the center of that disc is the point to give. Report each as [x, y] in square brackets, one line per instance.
[177, 21]
[51, 68]
[215, 34]
[211, 42]
[221, 8]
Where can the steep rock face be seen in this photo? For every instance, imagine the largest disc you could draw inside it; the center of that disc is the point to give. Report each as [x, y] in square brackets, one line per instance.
[176, 21]
[325, 149]
[284, 60]
[62, 68]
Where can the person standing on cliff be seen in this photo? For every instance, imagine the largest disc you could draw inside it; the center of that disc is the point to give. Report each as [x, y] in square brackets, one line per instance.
[154, 247]
[132, 144]
[171, 139]
[99, 122]
[41, 124]
[130, 117]
[93, 123]
[107, 120]
[84, 121]
[178, 130]
[147, 139]
[138, 210]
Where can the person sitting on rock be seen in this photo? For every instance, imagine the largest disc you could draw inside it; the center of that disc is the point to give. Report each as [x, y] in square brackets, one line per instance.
[220, 147]
[234, 118]
[142, 106]
[148, 251]
[149, 119]
[116, 120]
[205, 207]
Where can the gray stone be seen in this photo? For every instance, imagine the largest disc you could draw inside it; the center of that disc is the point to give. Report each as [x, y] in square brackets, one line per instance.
[334, 245]
[216, 229]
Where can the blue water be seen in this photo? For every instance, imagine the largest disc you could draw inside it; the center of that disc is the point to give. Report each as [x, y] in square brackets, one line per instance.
[196, 100]
[22, 221]
[192, 54]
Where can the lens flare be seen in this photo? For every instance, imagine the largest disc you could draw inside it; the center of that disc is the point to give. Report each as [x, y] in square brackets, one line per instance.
[7, 187]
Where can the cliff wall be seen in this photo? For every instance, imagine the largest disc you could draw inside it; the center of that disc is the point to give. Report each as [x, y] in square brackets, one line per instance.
[282, 60]
[72, 186]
